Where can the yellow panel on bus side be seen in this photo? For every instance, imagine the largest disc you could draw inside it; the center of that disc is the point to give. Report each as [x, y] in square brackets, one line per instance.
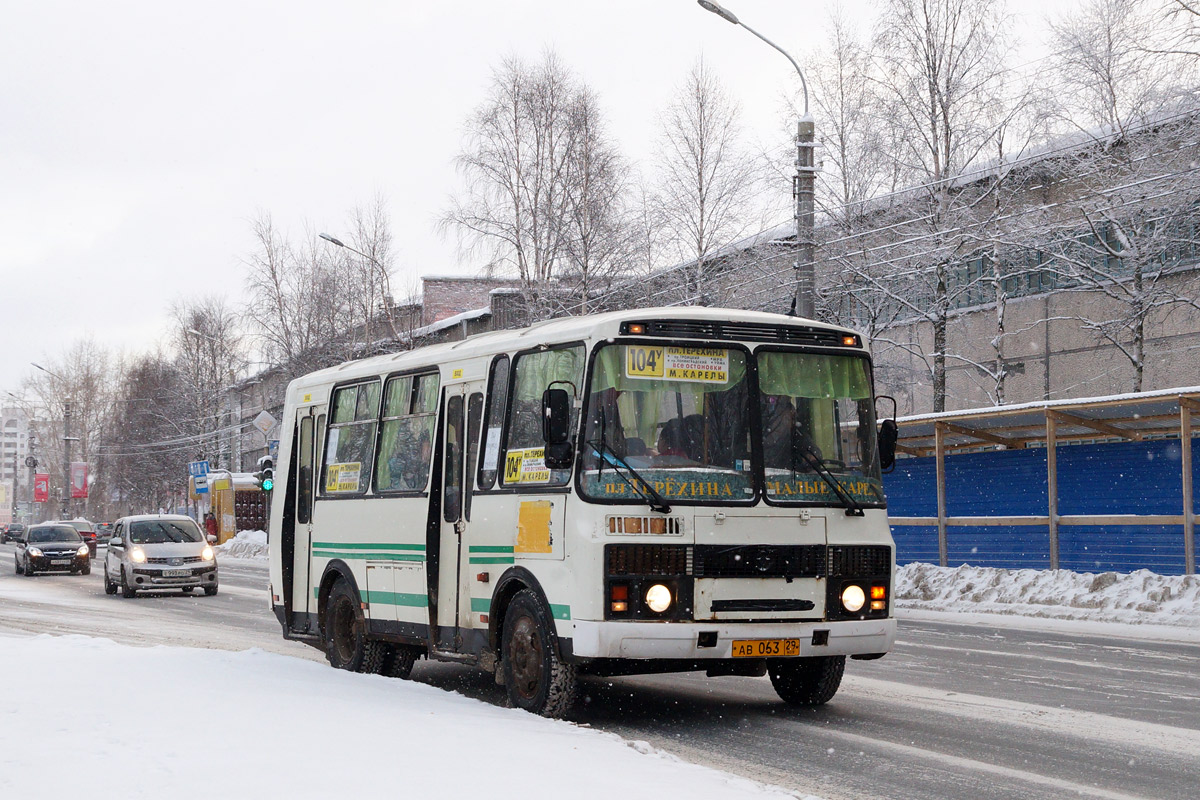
[534, 527]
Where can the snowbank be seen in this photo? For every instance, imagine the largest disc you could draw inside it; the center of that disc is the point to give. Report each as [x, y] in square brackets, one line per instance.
[1142, 597]
[247, 544]
[255, 724]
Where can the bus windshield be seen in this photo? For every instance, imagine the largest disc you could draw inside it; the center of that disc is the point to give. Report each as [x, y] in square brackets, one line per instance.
[817, 411]
[678, 418]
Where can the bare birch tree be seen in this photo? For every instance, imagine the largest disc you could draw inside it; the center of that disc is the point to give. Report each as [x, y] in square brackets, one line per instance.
[939, 61]
[208, 343]
[706, 180]
[516, 162]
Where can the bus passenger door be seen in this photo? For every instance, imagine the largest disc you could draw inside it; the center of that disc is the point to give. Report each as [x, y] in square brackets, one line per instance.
[303, 480]
[462, 416]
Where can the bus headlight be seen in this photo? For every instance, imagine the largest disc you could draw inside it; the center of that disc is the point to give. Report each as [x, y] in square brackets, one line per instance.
[853, 598]
[658, 597]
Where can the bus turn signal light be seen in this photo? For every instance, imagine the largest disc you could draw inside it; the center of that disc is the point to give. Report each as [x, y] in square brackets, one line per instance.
[878, 592]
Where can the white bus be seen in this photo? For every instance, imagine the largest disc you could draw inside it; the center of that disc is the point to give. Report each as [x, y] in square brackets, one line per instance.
[645, 491]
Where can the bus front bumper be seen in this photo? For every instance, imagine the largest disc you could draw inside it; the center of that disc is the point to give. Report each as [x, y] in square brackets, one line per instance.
[693, 640]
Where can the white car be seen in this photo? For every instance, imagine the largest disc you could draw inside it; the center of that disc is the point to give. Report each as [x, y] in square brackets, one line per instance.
[157, 552]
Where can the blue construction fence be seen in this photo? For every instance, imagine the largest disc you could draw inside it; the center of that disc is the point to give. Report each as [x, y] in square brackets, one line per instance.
[1109, 478]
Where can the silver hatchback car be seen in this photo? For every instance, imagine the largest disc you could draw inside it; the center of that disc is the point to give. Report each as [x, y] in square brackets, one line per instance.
[159, 552]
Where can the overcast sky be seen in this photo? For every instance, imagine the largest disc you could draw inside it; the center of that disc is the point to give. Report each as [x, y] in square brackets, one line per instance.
[139, 137]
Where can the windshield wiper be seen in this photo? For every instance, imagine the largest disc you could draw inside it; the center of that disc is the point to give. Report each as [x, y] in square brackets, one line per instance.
[647, 492]
[853, 509]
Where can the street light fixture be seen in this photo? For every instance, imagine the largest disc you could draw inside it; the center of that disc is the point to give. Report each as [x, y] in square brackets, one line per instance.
[383, 270]
[802, 183]
[67, 439]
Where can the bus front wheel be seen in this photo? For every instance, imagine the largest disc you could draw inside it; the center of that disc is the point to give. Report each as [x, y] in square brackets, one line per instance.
[806, 681]
[536, 678]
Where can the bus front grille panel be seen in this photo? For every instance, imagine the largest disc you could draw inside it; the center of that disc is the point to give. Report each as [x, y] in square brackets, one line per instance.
[855, 561]
[743, 331]
[646, 559]
[760, 561]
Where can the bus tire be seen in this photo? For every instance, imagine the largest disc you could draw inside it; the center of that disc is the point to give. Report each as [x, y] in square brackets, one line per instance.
[536, 678]
[806, 681]
[346, 644]
[399, 661]
[344, 628]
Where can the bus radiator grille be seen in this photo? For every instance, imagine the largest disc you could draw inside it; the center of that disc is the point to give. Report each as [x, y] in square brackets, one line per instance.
[760, 561]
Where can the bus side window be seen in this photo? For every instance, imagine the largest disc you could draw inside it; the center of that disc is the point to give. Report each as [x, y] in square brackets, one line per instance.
[351, 440]
[407, 433]
[497, 398]
[474, 412]
[452, 491]
[304, 478]
[533, 373]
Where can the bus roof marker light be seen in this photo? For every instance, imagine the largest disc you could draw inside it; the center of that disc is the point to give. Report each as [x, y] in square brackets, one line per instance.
[850, 341]
[637, 328]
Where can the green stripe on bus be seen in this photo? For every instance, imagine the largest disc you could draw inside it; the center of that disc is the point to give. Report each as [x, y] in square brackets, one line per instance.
[492, 560]
[364, 546]
[560, 612]
[398, 599]
[370, 556]
[490, 548]
[481, 604]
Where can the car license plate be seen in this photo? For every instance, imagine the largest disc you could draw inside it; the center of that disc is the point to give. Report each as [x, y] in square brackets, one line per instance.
[765, 648]
[176, 573]
[58, 562]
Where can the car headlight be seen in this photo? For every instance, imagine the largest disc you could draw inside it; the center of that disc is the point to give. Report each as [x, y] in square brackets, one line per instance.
[82, 551]
[35, 552]
[207, 553]
[137, 555]
[658, 597]
[853, 598]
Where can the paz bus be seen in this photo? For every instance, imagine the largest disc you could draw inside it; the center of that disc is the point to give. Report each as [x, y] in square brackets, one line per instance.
[641, 491]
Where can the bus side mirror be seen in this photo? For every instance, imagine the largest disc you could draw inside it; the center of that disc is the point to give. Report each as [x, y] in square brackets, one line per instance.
[556, 428]
[889, 432]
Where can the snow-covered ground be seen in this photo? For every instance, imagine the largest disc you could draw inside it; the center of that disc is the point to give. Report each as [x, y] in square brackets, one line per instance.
[191, 723]
[247, 544]
[1164, 606]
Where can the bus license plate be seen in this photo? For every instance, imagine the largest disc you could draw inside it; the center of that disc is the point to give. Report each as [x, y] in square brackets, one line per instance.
[765, 648]
[176, 573]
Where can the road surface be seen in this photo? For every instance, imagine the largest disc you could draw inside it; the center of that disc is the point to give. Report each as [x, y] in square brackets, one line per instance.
[955, 711]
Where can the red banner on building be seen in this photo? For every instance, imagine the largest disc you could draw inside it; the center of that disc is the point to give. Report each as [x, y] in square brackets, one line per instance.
[79, 479]
[41, 487]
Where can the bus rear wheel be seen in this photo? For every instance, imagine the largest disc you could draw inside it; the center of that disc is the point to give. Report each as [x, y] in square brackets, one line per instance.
[536, 678]
[806, 681]
[346, 644]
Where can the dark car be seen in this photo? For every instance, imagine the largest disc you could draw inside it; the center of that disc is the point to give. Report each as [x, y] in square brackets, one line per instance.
[104, 532]
[12, 533]
[52, 546]
[86, 529]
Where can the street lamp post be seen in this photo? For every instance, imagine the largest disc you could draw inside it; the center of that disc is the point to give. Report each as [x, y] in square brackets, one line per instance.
[383, 271]
[67, 439]
[803, 183]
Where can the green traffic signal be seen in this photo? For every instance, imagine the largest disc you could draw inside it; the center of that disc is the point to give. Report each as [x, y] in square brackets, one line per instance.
[268, 484]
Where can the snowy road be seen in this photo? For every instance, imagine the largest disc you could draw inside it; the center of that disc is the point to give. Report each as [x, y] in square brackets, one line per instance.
[956, 711]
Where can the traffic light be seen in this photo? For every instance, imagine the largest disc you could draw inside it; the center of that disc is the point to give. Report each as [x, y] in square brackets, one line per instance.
[265, 477]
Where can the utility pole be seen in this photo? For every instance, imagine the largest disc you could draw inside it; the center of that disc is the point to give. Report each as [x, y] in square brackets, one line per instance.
[66, 463]
[803, 191]
[805, 292]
